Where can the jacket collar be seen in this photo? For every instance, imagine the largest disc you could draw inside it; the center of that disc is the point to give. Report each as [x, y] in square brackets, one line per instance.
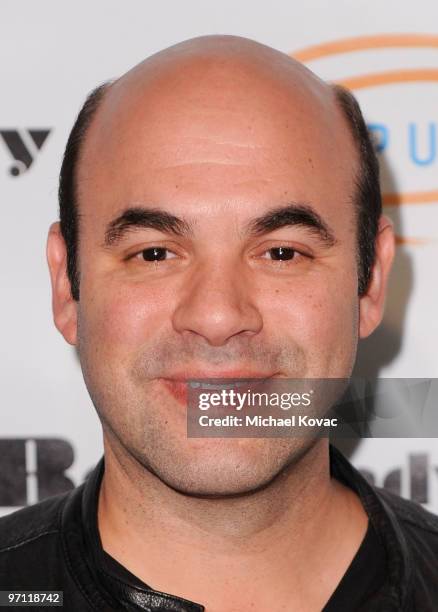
[83, 549]
[396, 593]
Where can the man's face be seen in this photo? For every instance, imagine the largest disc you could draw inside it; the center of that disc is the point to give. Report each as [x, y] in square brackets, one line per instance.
[225, 296]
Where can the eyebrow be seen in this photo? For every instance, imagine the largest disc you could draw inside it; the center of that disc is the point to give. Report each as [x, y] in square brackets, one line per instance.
[292, 214]
[144, 218]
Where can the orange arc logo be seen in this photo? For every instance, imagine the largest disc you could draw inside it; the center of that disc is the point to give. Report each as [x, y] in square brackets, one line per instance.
[382, 41]
[364, 43]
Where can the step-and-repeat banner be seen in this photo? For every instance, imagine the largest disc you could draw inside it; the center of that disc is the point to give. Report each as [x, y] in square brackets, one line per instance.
[53, 53]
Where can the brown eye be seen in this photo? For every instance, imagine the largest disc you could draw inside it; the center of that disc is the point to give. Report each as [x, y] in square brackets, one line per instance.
[281, 253]
[156, 254]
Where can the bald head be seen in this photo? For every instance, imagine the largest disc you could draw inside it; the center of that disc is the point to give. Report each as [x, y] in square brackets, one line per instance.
[211, 101]
[230, 68]
[217, 86]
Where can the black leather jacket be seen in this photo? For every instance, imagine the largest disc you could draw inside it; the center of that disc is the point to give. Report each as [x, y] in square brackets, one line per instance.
[55, 545]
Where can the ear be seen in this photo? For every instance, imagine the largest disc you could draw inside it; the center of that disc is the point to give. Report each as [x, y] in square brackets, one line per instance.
[63, 305]
[371, 304]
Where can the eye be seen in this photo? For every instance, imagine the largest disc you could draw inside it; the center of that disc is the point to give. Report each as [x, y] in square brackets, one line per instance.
[155, 254]
[280, 253]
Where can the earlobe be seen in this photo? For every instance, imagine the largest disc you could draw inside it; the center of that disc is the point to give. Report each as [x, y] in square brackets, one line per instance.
[63, 305]
[371, 304]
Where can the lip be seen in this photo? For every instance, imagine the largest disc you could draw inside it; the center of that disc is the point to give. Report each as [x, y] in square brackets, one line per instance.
[178, 387]
[205, 374]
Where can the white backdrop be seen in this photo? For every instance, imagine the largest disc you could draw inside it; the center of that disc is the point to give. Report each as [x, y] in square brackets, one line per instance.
[54, 52]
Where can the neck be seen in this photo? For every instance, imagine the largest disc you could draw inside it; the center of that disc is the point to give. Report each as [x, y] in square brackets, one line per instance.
[192, 546]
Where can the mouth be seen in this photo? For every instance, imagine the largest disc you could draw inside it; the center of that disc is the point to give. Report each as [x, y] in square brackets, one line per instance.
[178, 386]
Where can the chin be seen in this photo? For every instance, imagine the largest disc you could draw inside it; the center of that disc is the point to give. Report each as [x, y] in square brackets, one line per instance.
[226, 467]
[215, 484]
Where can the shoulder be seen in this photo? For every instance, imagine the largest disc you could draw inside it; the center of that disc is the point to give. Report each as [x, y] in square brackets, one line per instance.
[410, 514]
[31, 523]
[32, 551]
[419, 529]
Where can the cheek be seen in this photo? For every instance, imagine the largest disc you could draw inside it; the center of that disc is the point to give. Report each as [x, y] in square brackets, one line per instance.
[123, 317]
[321, 318]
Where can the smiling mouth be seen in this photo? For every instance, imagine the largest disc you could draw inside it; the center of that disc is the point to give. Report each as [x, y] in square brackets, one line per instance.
[179, 387]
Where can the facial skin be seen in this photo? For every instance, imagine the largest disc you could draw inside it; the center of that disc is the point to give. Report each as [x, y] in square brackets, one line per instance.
[216, 131]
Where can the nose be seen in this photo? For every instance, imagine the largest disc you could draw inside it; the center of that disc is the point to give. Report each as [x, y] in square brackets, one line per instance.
[216, 305]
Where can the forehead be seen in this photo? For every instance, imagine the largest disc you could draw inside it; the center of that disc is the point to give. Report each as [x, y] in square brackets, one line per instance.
[216, 130]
